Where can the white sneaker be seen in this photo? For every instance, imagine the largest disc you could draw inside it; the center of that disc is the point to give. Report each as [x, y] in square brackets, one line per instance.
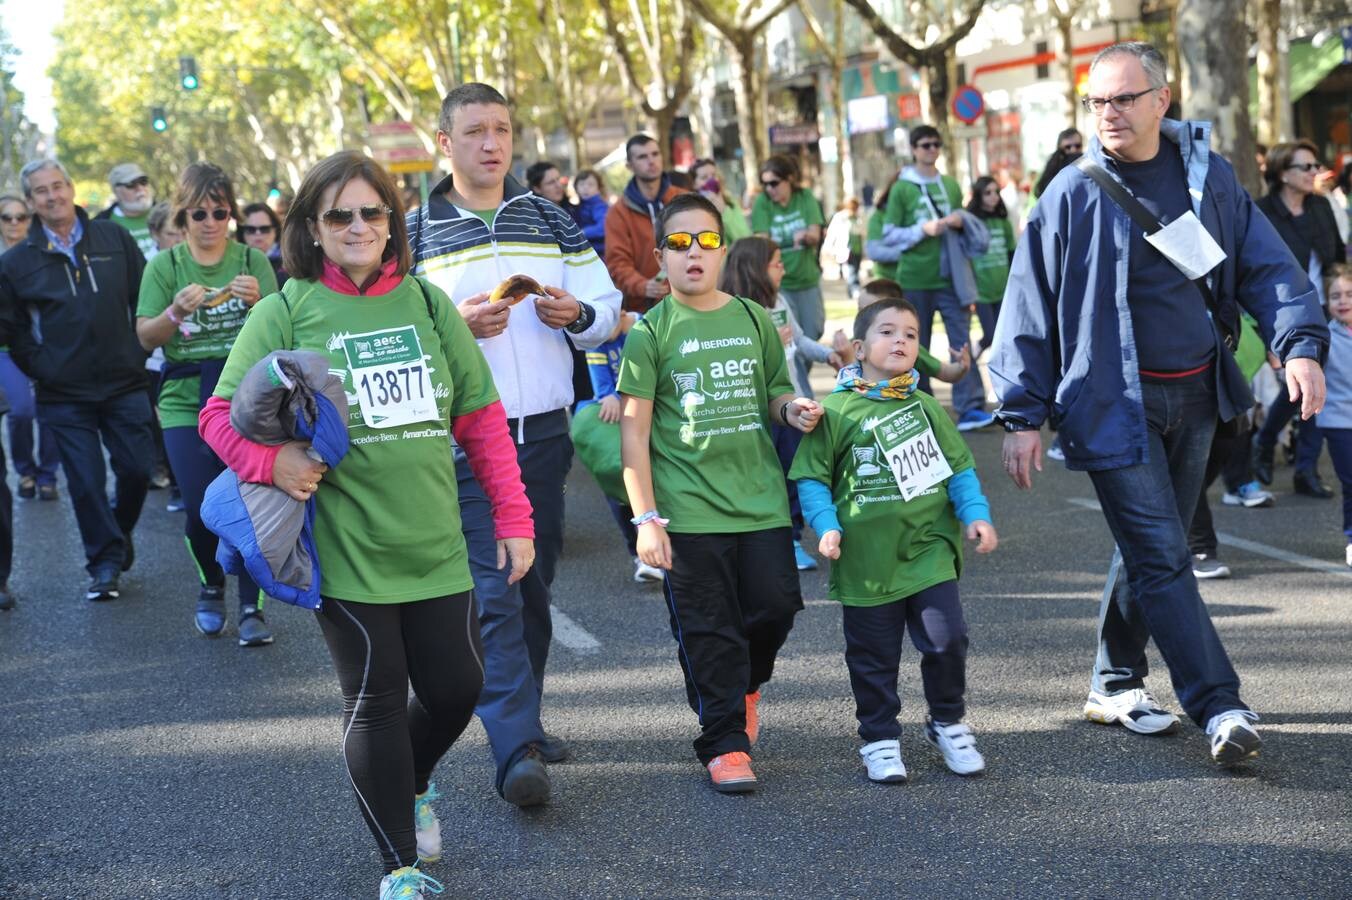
[883, 759]
[958, 745]
[428, 827]
[1135, 710]
[408, 884]
[644, 573]
[1233, 739]
[1349, 554]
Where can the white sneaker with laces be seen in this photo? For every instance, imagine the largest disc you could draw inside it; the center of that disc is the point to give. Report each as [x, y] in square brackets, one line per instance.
[1135, 710]
[958, 745]
[408, 883]
[428, 827]
[1233, 739]
[883, 760]
[644, 573]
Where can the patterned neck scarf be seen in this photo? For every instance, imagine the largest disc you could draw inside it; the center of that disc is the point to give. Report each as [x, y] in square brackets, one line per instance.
[897, 388]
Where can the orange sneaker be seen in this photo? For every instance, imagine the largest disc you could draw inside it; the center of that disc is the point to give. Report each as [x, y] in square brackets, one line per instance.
[731, 773]
[753, 717]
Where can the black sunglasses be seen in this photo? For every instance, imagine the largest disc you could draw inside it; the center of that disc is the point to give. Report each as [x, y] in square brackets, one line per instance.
[200, 215]
[340, 217]
[1304, 167]
[772, 183]
[15, 219]
[256, 229]
[928, 145]
[143, 181]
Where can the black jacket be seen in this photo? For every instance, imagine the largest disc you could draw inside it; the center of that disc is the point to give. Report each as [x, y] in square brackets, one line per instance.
[70, 328]
[1316, 231]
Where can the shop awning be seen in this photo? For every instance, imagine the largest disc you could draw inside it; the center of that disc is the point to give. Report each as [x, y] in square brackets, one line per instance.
[1308, 65]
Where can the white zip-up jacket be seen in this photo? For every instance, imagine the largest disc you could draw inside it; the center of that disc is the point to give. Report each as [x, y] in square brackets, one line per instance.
[531, 363]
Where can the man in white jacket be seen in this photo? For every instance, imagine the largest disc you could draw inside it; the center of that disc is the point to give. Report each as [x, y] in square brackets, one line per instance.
[478, 227]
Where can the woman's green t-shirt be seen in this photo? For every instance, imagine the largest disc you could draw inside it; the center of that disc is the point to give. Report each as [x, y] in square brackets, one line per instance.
[387, 518]
[991, 269]
[211, 332]
[801, 270]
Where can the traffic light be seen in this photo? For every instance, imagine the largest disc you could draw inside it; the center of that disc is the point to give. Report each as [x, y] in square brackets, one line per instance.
[158, 120]
[274, 192]
[187, 73]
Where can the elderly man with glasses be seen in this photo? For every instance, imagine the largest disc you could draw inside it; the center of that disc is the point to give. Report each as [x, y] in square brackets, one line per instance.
[1118, 326]
[67, 294]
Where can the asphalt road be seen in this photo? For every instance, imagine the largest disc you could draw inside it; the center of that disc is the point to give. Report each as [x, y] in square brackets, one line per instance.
[138, 759]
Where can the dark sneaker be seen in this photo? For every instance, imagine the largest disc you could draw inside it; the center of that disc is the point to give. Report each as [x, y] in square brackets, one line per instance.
[1205, 566]
[210, 615]
[104, 585]
[128, 551]
[28, 488]
[1262, 459]
[6, 598]
[1311, 485]
[175, 503]
[47, 492]
[554, 749]
[253, 631]
[527, 781]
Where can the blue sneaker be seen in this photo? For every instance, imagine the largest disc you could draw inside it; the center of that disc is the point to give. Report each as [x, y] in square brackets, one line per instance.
[210, 615]
[1249, 495]
[408, 884]
[427, 826]
[802, 558]
[975, 419]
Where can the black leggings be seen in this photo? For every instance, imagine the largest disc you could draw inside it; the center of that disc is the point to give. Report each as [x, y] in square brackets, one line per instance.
[391, 742]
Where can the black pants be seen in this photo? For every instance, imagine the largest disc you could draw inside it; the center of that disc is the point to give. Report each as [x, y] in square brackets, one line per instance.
[732, 599]
[391, 742]
[6, 524]
[1231, 461]
[873, 639]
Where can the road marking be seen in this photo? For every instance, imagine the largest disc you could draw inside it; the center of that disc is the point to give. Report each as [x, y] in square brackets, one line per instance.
[572, 635]
[1239, 543]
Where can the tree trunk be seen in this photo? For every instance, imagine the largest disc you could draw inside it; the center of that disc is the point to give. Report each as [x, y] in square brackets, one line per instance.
[939, 63]
[663, 117]
[1214, 79]
[749, 95]
[1273, 104]
[1065, 26]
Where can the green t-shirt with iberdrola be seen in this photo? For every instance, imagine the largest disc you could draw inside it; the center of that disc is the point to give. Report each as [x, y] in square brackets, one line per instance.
[890, 547]
[139, 226]
[918, 268]
[801, 270]
[710, 376]
[211, 332]
[992, 267]
[387, 518]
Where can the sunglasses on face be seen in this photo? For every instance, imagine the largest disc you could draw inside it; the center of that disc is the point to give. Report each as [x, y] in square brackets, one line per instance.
[143, 181]
[772, 182]
[256, 229]
[1304, 167]
[14, 219]
[341, 217]
[200, 215]
[680, 241]
[928, 145]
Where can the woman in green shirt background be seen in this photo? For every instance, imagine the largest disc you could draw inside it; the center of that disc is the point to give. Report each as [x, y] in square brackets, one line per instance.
[991, 269]
[791, 217]
[194, 297]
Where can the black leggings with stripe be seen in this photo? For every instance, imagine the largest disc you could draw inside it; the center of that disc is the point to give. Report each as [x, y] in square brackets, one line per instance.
[391, 741]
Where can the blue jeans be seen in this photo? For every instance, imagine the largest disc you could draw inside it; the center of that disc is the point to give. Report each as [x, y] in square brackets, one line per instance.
[1148, 508]
[968, 394]
[123, 423]
[1309, 440]
[22, 409]
[1340, 451]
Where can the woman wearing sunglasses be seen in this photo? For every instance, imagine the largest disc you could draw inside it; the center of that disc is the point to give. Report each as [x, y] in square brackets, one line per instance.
[792, 218]
[261, 229]
[194, 298]
[398, 605]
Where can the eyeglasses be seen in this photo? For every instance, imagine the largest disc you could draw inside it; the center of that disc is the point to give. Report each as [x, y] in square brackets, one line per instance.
[1304, 167]
[928, 145]
[143, 181]
[1122, 102]
[341, 217]
[771, 182]
[14, 219]
[256, 229]
[680, 241]
[200, 215]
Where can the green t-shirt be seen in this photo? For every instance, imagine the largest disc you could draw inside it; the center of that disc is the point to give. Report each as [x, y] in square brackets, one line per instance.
[889, 548]
[780, 222]
[886, 270]
[139, 226]
[992, 268]
[387, 518]
[212, 331]
[918, 268]
[710, 376]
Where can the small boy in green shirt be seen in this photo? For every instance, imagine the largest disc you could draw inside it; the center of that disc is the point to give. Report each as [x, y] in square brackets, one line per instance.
[888, 467]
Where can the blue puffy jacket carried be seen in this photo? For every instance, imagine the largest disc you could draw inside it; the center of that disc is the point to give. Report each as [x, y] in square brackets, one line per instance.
[590, 216]
[1064, 348]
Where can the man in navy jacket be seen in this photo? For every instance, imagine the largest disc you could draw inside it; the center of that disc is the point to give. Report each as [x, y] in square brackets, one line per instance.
[1107, 338]
[67, 296]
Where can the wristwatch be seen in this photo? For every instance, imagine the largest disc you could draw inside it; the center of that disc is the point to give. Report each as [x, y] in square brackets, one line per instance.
[585, 316]
[1012, 425]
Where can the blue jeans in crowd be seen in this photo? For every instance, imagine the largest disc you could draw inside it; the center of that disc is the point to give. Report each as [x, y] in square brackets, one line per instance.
[1149, 508]
[968, 394]
[1340, 451]
[22, 410]
[1309, 441]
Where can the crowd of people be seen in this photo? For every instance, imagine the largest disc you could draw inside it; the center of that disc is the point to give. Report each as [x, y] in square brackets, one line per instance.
[479, 340]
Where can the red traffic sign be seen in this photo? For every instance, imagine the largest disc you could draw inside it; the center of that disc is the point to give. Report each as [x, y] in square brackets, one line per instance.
[967, 104]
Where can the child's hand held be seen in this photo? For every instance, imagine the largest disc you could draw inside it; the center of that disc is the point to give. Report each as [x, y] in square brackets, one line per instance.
[829, 545]
[803, 414]
[984, 534]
